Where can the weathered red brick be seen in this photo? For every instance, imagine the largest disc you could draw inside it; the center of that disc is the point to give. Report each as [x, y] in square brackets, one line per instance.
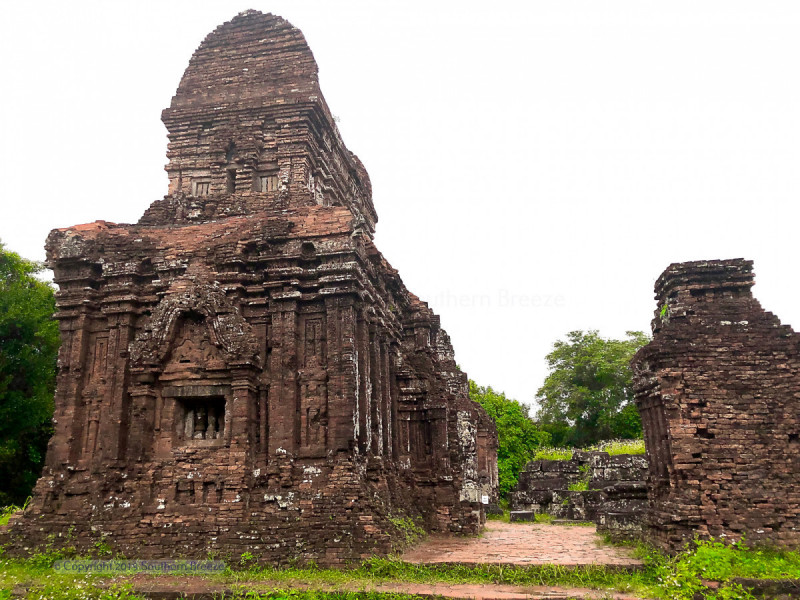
[717, 390]
[242, 370]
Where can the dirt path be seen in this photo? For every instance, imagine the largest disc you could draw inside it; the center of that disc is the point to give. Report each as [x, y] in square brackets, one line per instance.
[195, 588]
[523, 544]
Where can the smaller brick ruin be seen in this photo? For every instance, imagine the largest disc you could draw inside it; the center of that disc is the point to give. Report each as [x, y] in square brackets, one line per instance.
[718, 389]
[616, 497]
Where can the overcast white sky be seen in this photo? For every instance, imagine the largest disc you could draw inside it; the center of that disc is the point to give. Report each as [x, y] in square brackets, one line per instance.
[535, 165]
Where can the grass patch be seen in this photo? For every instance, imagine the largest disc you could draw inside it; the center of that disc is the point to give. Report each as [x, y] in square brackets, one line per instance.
[543, 518]
[663, 577]
[89, 591]
[547, 575]
[46, 583]
[505, 517]
[7, 511]
[680, 577]
[547, 453]
[378, 570]
[718, 561]
[82, 591]
[615, 447]
[580, 486]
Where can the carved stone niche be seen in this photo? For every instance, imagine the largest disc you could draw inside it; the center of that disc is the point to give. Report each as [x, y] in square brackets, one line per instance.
[199, 414]
[185, 359]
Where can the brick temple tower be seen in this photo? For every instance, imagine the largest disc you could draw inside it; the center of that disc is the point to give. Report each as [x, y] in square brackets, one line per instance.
[718, 389]
[242, 370]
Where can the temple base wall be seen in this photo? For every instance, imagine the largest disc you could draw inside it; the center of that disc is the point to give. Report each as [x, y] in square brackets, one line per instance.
[332, 512]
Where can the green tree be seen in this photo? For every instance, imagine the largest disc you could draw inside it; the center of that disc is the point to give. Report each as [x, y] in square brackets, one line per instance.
[29, 343]
[588, 395]
[518, 436]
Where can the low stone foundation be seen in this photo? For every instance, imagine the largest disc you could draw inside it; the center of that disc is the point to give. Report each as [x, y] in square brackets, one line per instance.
[615, 500]
[346, 509]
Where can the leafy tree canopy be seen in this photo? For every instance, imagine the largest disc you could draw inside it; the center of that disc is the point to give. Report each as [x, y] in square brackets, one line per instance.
[588, 395]
[29, 343]
[518, 435]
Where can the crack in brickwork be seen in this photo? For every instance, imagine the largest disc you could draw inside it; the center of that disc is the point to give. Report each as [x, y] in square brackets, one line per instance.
[242, 370]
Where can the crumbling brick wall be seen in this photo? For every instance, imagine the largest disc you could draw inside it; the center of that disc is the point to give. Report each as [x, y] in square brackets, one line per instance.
[718, 391]
[242, 370]
[615, 498]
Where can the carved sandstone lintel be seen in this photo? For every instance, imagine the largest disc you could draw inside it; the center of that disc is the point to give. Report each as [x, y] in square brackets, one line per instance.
[229, 331]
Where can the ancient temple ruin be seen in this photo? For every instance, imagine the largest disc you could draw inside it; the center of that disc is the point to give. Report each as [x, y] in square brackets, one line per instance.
[242, 370]
[613, 493]
[718, 389]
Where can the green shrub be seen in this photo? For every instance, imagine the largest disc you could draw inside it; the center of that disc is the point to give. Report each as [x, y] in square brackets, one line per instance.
[680, 577]
[7, 511]
[720, 561]
[517, 435]
[410, 530]
[29, 341]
